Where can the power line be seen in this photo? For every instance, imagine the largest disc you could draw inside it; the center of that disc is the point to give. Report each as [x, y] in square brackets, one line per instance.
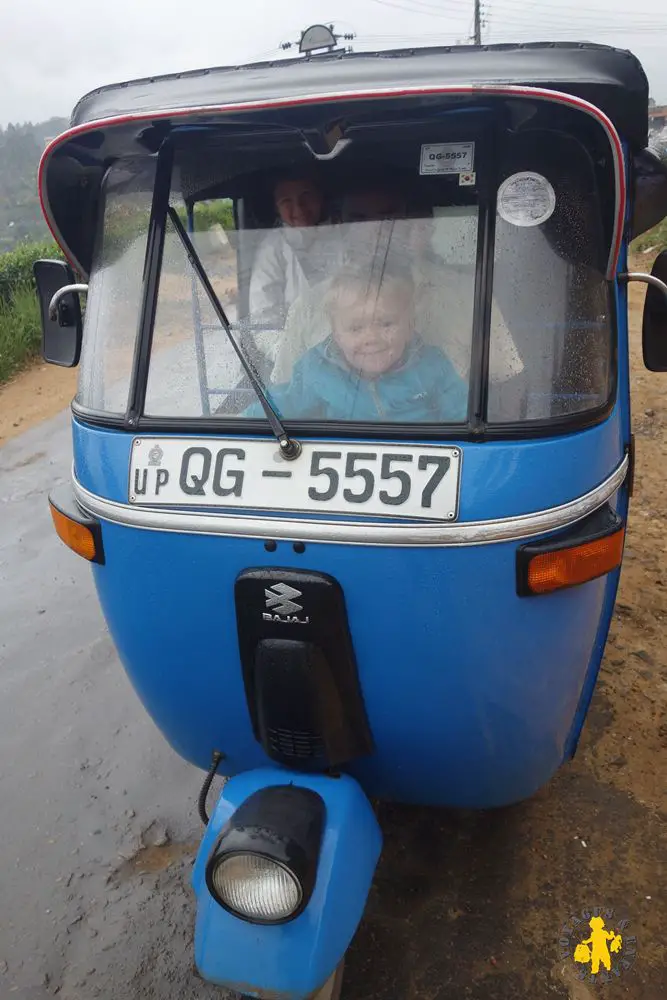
[454, 40]
[552, 18]
[591, 23]
[423, 7]
[405, 39]
[444, 10]
[557, 8]
[438, 6]
[440, 13]
[501, 21]
[555, 19]
[588, 26]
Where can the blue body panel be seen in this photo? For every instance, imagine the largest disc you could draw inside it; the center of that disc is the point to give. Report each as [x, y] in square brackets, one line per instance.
[499, 479]
[625, 423]
[474, 695]
[294, 959]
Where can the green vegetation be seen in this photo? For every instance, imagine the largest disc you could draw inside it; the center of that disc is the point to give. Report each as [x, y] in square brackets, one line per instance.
[655, 238]
[16, 266]
[23, 239]
[210, 213]
[20, 330]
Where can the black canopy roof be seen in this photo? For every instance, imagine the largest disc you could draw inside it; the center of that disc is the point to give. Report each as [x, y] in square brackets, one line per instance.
[610, 78]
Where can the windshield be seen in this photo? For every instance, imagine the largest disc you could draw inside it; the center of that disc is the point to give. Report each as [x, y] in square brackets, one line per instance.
[115, 288]
[355, 293]
[338, 308]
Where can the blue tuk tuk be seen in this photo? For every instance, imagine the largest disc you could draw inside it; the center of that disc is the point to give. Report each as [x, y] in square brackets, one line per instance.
[352, 441]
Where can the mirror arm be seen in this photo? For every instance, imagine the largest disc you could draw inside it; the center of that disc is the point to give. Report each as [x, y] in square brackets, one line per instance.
[65, 290]
[648, 279]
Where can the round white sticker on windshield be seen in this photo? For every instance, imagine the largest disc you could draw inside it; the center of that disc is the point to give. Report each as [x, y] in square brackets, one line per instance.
[526, 199]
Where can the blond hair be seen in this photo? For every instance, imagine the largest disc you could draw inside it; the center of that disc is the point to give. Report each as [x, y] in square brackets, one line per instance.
[349, 287]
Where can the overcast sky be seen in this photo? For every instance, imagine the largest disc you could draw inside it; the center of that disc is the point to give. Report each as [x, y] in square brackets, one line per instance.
[53, 52]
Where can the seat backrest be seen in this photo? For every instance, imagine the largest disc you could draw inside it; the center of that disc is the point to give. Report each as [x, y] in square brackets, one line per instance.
[307, 324]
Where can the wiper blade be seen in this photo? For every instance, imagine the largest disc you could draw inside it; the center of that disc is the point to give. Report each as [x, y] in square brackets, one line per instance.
[289, 448]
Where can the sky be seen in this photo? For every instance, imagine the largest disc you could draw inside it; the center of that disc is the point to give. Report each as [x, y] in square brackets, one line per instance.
[53, 53]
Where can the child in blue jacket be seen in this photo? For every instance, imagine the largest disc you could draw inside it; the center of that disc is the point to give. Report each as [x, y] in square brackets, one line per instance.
[373, 367]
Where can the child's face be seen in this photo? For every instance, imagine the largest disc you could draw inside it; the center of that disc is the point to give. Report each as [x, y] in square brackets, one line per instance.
[372, 333]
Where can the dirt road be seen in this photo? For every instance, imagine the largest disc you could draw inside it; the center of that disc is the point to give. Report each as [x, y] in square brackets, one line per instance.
[33, 396]
[96, 904]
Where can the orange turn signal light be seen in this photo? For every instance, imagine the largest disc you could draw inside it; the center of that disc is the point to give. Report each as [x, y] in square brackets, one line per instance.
[569, 566]
[79, 532]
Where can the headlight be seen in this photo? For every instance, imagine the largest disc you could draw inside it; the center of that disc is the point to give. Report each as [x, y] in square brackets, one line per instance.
[263, 866]
[256, 888]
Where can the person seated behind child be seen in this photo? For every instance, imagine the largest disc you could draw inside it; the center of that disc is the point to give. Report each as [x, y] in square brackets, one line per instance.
[373, 366]
[288, 259]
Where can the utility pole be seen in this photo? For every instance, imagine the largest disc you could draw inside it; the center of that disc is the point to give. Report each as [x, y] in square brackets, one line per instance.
[477, 39]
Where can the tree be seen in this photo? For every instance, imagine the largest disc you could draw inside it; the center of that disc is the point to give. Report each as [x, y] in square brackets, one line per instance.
[20, 149]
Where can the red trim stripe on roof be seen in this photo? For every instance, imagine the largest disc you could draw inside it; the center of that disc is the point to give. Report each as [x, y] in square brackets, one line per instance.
[508, 90]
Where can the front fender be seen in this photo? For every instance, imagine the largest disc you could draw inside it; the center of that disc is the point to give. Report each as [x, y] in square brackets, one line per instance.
[294, 959]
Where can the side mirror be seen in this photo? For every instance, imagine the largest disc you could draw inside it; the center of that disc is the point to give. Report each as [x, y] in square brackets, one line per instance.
[654, 326]
[62, 327]
[650, 194]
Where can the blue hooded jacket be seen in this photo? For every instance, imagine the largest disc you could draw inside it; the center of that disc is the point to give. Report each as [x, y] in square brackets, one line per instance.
[423, 388]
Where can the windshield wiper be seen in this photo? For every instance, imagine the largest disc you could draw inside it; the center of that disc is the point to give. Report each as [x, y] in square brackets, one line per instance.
[289, 448]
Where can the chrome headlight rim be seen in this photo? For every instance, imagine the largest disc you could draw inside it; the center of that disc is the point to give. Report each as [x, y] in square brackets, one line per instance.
[219, 859]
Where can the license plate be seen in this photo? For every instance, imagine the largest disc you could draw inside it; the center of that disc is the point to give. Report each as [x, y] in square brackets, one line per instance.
[334, 477]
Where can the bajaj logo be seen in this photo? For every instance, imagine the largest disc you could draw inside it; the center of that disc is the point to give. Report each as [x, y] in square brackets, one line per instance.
[280, 598]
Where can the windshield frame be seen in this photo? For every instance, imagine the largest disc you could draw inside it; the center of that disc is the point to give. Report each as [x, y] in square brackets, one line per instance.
[476, 427]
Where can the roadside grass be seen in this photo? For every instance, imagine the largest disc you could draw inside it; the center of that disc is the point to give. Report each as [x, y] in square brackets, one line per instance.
[655, 239]
[20, 327]
[20, 331]
[16, 265]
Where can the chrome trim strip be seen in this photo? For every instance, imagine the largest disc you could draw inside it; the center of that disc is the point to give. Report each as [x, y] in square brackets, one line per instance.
[420, 535]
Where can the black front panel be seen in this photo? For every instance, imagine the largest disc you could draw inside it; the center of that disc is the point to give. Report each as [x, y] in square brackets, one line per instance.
[299, 669]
